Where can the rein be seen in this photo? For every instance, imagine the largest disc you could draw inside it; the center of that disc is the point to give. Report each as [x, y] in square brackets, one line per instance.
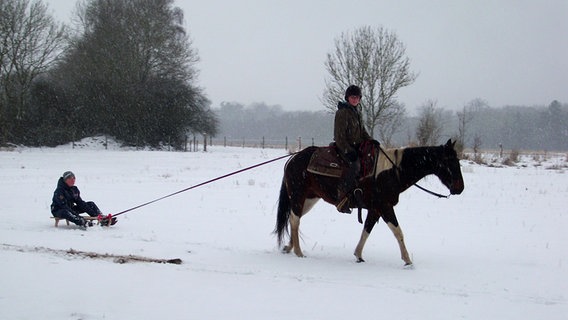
[204, 183]
[415, 184]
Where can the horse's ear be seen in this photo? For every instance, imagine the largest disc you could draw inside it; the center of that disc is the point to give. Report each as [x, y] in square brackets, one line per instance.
[449, 143]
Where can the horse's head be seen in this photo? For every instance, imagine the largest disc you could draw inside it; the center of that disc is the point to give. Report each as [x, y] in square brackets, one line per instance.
[448, 168]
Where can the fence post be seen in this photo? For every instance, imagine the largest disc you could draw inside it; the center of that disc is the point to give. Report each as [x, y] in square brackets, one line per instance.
[205, 142]
[299, 143]
[286, 146]
[262, 142]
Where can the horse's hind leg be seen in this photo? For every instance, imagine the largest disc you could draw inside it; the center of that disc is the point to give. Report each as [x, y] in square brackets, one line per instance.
[295, 236]
[287, 248]
[307, 205]
[370, 221]
[359, 249]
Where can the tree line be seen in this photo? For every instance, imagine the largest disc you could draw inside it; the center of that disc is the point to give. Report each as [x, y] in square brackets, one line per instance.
[127, 69]
[477, 125]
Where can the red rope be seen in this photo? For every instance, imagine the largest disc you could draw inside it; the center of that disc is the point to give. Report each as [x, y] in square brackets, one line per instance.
[203, 183]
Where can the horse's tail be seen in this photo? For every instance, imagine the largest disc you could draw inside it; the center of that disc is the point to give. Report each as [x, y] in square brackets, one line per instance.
[283, 215]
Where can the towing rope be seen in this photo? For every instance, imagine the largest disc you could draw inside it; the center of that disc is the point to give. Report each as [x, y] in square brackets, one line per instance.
[204, 183]
[246, 169]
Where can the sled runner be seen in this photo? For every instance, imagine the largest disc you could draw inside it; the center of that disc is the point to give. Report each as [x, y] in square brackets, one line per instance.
[100, 219]
[88, 218]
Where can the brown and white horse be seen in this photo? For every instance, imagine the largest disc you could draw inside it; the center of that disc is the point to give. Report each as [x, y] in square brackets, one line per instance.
[397, 170]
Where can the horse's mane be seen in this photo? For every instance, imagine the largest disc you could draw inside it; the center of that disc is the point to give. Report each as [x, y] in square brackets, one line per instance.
[385, 162]
[395, 155]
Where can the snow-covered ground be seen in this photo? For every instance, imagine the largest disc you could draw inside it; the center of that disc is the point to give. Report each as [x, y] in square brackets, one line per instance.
[498, 251]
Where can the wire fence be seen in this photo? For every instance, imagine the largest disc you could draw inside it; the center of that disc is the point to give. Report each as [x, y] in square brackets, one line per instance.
[286, 143]
[298, 143]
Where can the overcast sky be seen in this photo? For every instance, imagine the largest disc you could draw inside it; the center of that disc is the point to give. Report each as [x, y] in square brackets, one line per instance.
[507, 52]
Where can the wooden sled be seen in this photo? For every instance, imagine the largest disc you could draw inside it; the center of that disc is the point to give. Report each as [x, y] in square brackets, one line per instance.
[88, 218]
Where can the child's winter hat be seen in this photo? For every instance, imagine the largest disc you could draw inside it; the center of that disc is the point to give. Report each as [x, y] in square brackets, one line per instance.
[352, 90]
[68, 174]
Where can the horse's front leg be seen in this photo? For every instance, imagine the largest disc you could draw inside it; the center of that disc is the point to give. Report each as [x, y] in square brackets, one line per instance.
[392, 222]
[370, 221]
[400, 238]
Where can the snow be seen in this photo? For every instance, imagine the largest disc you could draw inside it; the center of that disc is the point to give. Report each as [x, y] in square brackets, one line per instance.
[497, 251]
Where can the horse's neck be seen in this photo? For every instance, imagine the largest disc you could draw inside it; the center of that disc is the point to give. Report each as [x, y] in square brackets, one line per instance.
[417, 163]
[389, 158]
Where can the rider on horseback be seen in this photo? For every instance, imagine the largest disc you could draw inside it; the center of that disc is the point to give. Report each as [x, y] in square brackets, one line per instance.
[349, 132]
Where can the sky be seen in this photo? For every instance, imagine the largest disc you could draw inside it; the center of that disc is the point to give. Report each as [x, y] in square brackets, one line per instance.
[507, 52]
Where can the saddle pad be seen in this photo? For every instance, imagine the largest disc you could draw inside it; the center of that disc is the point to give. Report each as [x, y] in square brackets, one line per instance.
[325, 161]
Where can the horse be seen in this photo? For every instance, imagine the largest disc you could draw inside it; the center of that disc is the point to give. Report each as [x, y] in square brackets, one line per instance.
[396, 170]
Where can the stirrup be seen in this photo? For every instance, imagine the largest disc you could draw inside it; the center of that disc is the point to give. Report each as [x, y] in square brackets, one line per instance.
[358, 195]
[359, 191]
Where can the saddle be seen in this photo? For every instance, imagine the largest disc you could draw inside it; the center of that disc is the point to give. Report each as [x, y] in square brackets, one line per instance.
[326, 161]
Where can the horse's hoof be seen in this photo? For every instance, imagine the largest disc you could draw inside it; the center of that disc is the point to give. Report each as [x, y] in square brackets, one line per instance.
[408, 266]
[286, 249]
[359, 260]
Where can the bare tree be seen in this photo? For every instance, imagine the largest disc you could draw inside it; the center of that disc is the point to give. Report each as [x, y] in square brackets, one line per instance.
[477, 148]
[465, 117]
[387, 129]
[30, 41]
[375, 60]
[429, 128]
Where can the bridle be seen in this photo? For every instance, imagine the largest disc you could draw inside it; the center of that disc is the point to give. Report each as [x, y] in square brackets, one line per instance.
[399, 170]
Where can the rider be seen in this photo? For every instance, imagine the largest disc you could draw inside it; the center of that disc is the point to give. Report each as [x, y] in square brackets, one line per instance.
[348, 133]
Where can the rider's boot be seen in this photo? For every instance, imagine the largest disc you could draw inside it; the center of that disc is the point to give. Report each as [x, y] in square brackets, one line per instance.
[349, 188]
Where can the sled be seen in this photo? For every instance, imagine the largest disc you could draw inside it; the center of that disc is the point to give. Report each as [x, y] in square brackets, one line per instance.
[88, 218]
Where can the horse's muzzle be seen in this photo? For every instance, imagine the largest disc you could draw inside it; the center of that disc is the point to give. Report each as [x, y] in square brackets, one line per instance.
[457, 187]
